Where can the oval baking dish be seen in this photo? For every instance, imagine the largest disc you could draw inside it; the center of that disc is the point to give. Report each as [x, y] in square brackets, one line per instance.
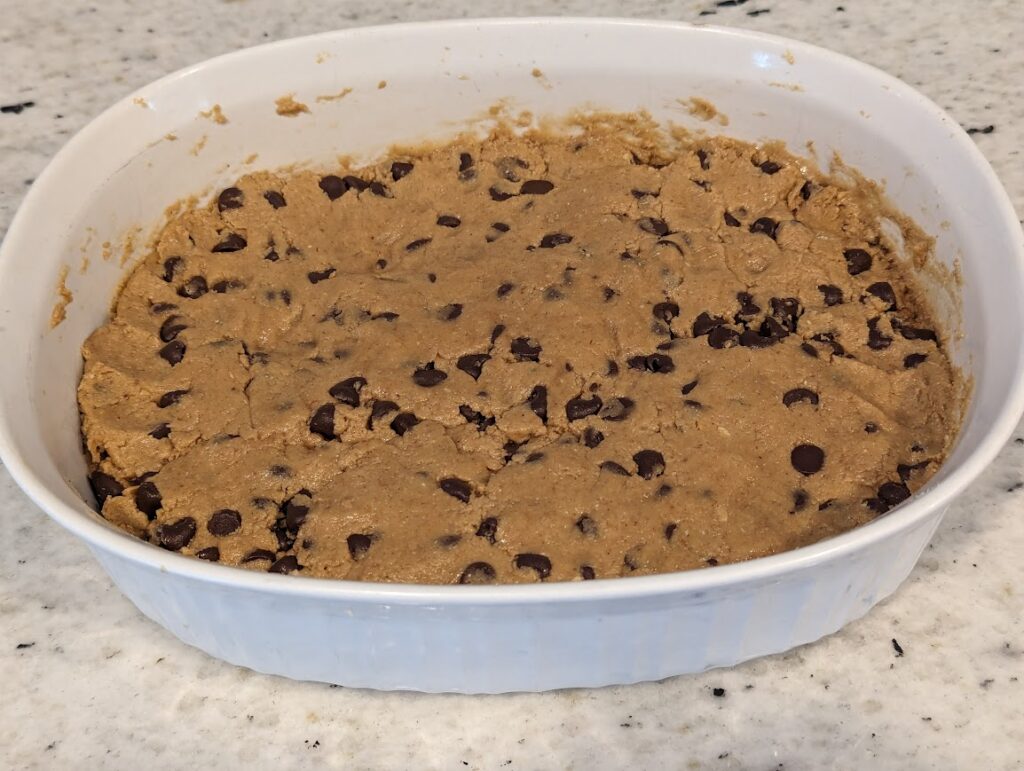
[202, 127]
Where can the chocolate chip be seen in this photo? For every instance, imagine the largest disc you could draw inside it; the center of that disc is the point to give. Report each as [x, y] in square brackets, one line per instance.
[419, 243]
[488, 529]
[807, 458]
[227, 285]
[400, 169]
[711, 561]
[259, 555]
[286, 564]
[177, 535]
[536, 562]
[769, 167]
[404, 423]
[748, 308]
[354, 183]
[171, 398]
[658, 363]
[497, 332]
[670, 530]
[159, 308]
[536, 187]
[271, 255]
[829, 339]
[504, 289]
[649, 463]
[612, 370]
[883, 291]
[914, 359]
[592, 437]
[654, 226]
[275, 199]
[871, 427]
[525, 349]
[907, 470]
[161, 431]
[786, 310]
[173, 352]
[448, 541]
[722, 337]
[172, 326]
[224, 522]
[104, 486]
[171, 266]
[614, 468]
[799, 501]
[481, 421]
[893, 493]
[587, 573]
[347, 391]
[705, 162]
[478, 573]
[210, 554]
[857, 261]
[316, 276]
[877, 340]
[511, 448]
[826, 504]
[473, 364]
[384, 316]
[230, 198]
[358, 545]
[457, 488]
[730, 220]
[914, 333]
[609, 293]
[533, 457]
[322, 422]
[805, 190]
[448, 221]
[333, 186]
[796, 395]
[380, 408]
[194, 288]
[551, 240]
[705, 322]
[538, 402]
[498, 195]
[232, 242]
[765, 225]
[379, 190]
[831, 294]
[450, 312]
[587, 526]
[616, 409]
[428, 376]
[465, 161]
[578, 407]
[665, 311]
[809, 349]
[295, 512]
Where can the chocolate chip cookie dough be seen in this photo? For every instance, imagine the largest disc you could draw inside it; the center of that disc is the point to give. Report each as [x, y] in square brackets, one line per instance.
[530, 358]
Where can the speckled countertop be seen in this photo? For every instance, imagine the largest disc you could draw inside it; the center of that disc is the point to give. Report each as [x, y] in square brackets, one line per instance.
[930, 679]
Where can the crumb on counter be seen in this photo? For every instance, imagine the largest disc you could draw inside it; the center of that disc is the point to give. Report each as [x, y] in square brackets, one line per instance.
[289, 107]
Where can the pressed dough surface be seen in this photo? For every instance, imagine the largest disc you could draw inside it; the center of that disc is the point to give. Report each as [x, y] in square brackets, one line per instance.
[547, 357]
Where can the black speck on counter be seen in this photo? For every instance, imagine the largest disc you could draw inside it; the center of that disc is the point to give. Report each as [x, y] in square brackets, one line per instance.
[1019, 440]
[718, 692]
[23, 646]
[986, 682]
[17, 108]
[1014, 487]
[897, 647]
[729, 3]
[840, 9]
[723, 755]
[982, 130]
[759, 12]
[707, 13]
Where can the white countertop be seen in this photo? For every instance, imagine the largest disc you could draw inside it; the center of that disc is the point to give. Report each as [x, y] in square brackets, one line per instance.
[88, 682]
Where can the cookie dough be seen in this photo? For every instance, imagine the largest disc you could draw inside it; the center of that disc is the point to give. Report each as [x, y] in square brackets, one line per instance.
[542, 357]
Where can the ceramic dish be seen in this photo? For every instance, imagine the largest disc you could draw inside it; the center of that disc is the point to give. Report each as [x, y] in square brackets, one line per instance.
[412, 82]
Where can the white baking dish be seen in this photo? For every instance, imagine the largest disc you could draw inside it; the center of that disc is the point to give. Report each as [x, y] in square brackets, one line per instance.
[122, 170]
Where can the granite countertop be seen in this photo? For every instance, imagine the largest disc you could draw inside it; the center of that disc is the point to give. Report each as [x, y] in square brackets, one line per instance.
[931, 678]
